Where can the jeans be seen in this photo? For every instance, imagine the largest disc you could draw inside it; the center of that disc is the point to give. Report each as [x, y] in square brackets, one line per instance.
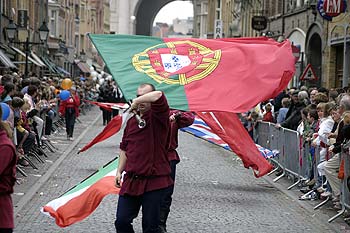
[129, 207]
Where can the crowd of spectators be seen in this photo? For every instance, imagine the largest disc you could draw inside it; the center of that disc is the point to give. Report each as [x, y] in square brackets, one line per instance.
[322, 118]
[35, 103]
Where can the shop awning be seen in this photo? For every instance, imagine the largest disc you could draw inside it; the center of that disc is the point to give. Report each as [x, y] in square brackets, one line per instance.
[5, 61]
[50, 65]
[37, 59]
[97, 66]
[63, 71]
[24, 55]
[85, 68]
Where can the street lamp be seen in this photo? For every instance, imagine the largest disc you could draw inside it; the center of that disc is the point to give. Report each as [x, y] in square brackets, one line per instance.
[11, 31]
[43, 32]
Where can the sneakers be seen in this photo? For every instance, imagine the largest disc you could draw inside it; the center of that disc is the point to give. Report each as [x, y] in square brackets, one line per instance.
[305, 189]
[321, 190]
[312, 196]
[337, 206]
[326, 194]
[310, 182]
[71, 139]
[23, 162]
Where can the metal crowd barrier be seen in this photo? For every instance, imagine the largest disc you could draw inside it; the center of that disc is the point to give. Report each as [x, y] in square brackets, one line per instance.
[288, 143]
[294, 159]
[345, 193]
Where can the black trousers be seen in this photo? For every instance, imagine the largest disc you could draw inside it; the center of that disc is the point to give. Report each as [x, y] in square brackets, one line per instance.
[129, 207]
[107, 116]
[70, 121]
[167, 199]
[6, 230]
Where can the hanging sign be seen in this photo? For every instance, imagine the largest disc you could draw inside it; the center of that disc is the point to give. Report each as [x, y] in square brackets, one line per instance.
[22, 19]
[259, 23]
[308, 74]
[331, 8]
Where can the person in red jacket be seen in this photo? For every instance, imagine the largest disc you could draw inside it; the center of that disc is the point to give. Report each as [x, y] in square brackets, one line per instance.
[177, 120]
[8, 161]
[70, 110]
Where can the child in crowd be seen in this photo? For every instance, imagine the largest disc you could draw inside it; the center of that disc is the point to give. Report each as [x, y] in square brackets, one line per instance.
[283, 111]
[268, 117]
[321, 139]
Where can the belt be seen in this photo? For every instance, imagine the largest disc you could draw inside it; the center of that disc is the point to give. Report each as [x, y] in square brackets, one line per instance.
[134, 176]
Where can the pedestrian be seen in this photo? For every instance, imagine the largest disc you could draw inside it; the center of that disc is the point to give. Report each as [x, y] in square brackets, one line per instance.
[8, 161]
[70, 110]
[143, 158]
[177, 120]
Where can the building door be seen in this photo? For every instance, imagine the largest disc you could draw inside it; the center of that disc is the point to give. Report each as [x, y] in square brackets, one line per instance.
[314, 56]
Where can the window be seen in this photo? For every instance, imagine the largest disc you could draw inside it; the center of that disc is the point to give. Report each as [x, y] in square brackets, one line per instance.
[53, 23]
[218, 9]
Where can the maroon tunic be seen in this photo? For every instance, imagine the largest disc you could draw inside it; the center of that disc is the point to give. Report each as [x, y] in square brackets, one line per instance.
[184, 120]
[7, 180]
[147, 166]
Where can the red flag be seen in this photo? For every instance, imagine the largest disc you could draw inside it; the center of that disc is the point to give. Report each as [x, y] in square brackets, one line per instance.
[111, 128]
[230, 129]
[109, 106]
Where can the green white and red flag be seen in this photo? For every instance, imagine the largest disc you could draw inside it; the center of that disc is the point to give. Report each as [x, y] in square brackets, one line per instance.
[80, 201]
[230, 75]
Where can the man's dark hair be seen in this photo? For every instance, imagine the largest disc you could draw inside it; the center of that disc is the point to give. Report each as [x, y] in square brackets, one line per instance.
[25, 82]
[32, 89]
[7, 78]
[323, 90]
[148, 84]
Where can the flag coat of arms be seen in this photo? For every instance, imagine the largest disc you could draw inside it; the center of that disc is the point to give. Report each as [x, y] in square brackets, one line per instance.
[199, 75]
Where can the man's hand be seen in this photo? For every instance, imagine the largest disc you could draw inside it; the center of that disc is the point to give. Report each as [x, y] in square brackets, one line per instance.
[133, 106]
[175, 116]
[118, 178]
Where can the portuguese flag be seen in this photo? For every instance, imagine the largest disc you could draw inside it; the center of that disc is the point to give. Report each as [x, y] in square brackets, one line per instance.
[198, 74]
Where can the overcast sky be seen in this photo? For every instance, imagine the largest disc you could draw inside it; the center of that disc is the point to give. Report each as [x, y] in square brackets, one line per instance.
[173, 10]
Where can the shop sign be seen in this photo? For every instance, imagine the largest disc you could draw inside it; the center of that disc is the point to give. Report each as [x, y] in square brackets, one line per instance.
[22, 19]
[218, 29]
[331, 8]
[259, 23]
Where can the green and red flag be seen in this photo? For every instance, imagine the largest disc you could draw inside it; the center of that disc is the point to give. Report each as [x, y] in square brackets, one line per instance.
[81, 200]
[198, 74]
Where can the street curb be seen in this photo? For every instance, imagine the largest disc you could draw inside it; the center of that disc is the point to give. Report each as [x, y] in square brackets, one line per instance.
[321, 217]
[33, 190]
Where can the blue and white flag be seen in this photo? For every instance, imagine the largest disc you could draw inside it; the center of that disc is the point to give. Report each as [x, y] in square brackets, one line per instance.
[200, 129]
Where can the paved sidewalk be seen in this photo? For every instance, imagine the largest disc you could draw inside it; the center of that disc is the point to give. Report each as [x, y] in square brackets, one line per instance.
[59, 140]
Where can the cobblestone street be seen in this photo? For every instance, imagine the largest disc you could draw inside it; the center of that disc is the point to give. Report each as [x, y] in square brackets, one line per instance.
[213, 193]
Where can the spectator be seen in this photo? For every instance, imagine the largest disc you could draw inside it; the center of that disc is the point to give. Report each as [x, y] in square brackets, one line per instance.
[8, 177]
[268, 114]
[283, 111]
[70, 110]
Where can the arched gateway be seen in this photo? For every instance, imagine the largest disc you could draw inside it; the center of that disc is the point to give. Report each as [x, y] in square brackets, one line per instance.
[136, 16]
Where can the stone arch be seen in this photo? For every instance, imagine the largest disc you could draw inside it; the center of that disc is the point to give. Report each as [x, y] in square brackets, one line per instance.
[145, 12]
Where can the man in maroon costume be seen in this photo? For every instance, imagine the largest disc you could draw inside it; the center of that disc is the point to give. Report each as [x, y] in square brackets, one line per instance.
[143, 156]
[178, 120]
[7, 177]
